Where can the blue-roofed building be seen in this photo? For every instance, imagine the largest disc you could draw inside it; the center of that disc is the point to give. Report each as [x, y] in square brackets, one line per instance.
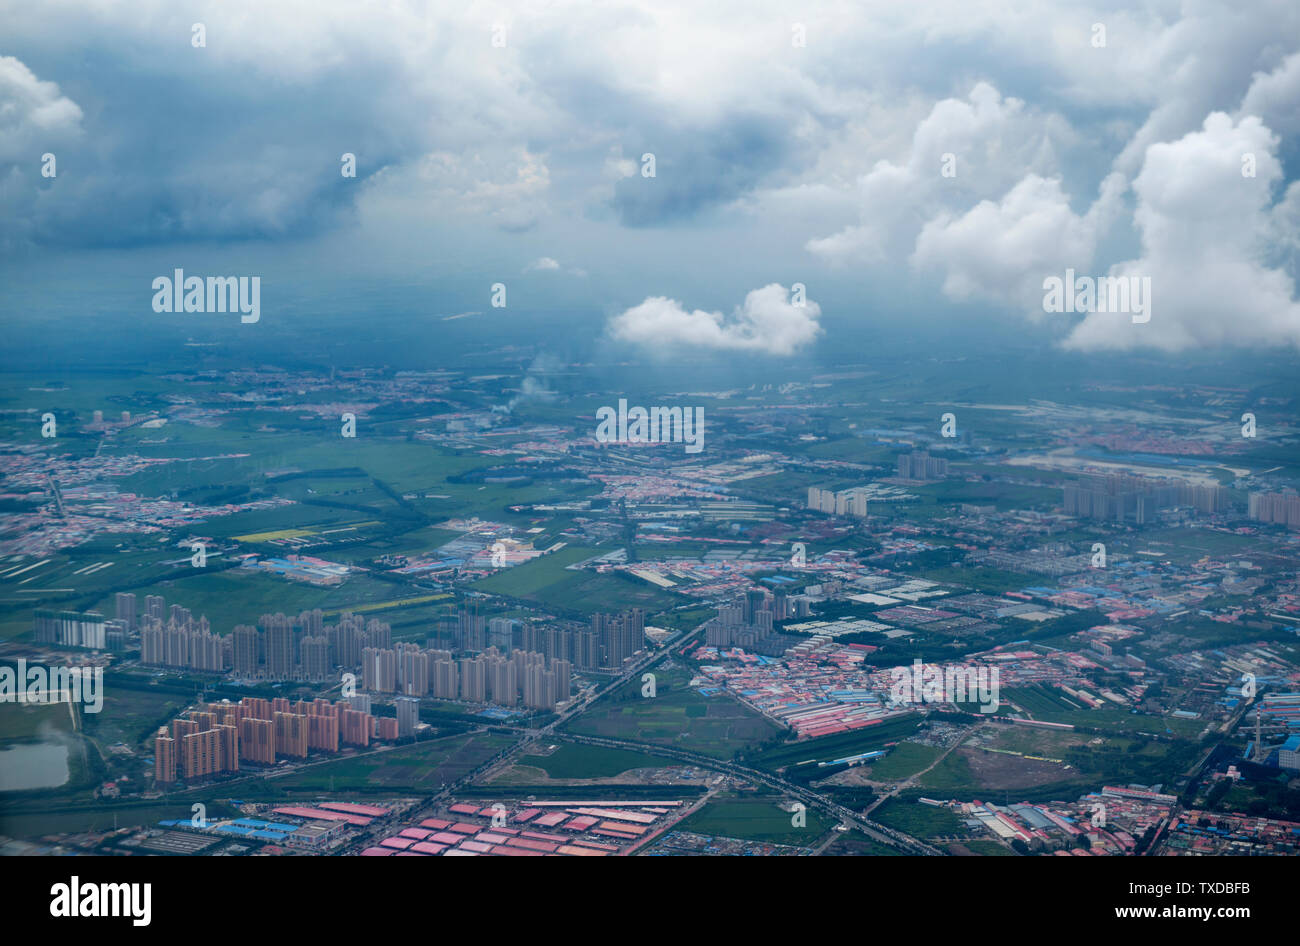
[239, 829]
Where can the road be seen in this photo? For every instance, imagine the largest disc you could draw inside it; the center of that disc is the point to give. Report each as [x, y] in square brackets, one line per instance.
[529, 737]
[805, 795]
[911, 780]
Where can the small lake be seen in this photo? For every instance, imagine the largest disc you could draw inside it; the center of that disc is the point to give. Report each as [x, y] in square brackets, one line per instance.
[39, 765]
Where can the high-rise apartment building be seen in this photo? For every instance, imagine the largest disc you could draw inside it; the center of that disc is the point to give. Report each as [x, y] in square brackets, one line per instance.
[408, 715]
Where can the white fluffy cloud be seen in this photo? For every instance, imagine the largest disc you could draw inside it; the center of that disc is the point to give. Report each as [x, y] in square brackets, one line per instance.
[34, 116]
[1274, 97]
[1202, 224]
[768, 322]
[35, 119]
[984, 143]
[1001, 251]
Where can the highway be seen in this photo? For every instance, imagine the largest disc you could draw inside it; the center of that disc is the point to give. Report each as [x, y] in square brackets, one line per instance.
[529, 737]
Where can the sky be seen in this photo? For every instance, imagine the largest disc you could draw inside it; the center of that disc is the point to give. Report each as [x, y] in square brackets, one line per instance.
[817, 168]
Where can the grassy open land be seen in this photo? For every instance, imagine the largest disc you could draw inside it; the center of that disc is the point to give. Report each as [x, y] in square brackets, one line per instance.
[976, 770]
[905, 759]
[242, 596]
[422, 767]
[951, 776]
[573, 761]
[131, 715]
[1049, 478]
[969, 773]
[531, 577]
[756, 819]
[1046, 743]
[406, 468]
[548, 580]
[1052, 765]
[790, 755]
[986, 848]
[132, 561]
[55, 818]
[1123, 760]
[397, 604]
[918, 820]
[791, 486]
[357, 488]
[1260, 799]
[587, 592]
[417, 542]
[1184, 546]
[563, 791]
[676, 716]
[978, 578]
[1002, 495]
[853, 449]
[274, 535]
[293, 517]
[21, 723]
[1196, 632]
[1049, 705]
[857, 844]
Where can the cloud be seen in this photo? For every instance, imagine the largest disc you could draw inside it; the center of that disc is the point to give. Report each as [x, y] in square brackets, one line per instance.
[993, 143]
[703, 166]
[768, 322]
[1274, 97]
[35, 119]
[506, 185]
[1203, 227]
[1001, 251]
[827, 157]
[1183, 66]
[33, 114]
[542, 264]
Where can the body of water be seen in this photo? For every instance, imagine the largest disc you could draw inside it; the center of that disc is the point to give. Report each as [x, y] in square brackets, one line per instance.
[39, 765]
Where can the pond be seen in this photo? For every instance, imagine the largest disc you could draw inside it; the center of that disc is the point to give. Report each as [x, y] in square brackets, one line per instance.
[39, 765]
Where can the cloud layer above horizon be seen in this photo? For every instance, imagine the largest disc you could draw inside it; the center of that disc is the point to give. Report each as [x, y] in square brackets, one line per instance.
[960, 152]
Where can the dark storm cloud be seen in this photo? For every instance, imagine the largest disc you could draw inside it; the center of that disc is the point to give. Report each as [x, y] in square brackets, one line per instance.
[699, 168]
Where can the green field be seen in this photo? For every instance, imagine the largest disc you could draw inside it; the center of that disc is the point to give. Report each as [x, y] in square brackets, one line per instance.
[531, 577]
[422, 767]
[1049, 704]
[791, 755]
[548, 581]
[918, 820]
[58, 819]
[857, 844]
[905, 759]
[131, 714]
[241, 596]
[988, 848]
[951, 776]
[756, 819]
[22, 723]
[677, 716]
[574, 761]
[979, 578]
